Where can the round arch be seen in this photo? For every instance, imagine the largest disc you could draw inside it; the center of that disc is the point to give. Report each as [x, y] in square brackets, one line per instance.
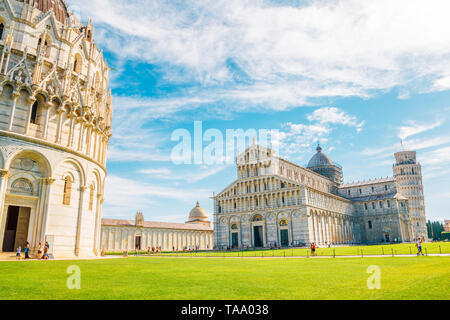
[26, 88]
[78, 165]
[44, 163]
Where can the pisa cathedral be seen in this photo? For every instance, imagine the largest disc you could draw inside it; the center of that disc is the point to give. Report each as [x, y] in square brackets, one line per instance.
[55, 125]
[275, 202]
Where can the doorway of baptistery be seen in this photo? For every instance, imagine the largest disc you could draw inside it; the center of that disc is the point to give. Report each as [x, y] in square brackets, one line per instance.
[16, 228]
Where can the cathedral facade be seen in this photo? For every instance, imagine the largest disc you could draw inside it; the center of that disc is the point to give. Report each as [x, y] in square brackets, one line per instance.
[275, 203]
[55, 125]
[121, 235]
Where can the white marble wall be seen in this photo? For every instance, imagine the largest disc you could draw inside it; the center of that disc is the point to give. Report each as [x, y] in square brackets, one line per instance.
[119, 238]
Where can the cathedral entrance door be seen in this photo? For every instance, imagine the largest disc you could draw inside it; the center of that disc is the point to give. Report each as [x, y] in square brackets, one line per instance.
[284, 237]
[258, 236]
[16, 229]
[234, 240]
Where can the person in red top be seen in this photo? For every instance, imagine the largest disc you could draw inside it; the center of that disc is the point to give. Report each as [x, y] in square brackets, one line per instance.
[313, 249]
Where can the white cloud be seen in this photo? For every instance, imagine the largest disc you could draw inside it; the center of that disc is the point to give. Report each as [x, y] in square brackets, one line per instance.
[438, 156]
[335, 116]
[279, 53]
[412, 128]
[442, 84]
[298, 137]
[411, 144]
[190, 176]
[123, 196]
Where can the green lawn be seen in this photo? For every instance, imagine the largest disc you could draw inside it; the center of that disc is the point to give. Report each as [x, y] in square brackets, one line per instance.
[217, 278]
[396, 249]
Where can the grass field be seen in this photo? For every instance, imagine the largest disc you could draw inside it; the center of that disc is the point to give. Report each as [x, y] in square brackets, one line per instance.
[396, 249]
[209, 278]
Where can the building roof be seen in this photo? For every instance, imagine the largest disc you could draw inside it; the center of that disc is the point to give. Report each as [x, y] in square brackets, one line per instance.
[59, 8]
[368, 182]
[197, 213]
[319, 159]
[156, 225]
[379, 197]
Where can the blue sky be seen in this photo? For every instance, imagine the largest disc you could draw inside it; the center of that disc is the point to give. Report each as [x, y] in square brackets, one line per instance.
[358, 76]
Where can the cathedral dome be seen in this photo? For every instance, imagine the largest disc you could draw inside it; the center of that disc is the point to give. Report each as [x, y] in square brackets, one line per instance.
[59, 8]
[319, 159]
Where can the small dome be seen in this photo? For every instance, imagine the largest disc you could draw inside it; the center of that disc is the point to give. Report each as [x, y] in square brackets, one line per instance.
[319, 159]
[198, 214]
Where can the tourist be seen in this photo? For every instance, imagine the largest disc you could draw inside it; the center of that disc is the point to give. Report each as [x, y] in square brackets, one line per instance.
[136, 251]
[19, 249]
[27, 251]
[419, 247]
[46, 251]
[313, 249]
[40, 251]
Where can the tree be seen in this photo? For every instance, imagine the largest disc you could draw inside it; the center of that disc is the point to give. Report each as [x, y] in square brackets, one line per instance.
[435, 229]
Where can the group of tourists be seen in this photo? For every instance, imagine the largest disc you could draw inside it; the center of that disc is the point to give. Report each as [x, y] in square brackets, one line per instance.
[42, 252]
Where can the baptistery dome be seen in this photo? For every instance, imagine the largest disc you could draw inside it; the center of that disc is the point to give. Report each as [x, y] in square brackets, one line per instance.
[59, 8]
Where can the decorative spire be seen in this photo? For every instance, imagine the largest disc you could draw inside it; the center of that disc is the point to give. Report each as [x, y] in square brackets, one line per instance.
[198, 204]
[319, 148]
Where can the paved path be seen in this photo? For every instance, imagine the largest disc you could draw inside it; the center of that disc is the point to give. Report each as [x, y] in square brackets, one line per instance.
[12, 257]
[294, 257]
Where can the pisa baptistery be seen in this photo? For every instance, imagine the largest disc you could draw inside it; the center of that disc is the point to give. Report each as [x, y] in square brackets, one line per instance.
[55, 124]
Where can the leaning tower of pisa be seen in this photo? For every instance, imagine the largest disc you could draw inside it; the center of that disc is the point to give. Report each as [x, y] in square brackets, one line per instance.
[55, 125]
[408, 176]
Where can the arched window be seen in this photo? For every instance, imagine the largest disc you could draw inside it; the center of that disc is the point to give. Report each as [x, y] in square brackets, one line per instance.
[370, 224]
[91, 197]
[45, 48]
[2, 27]
[67, 190]
[34, 112]
[78, 64]
[257, 218]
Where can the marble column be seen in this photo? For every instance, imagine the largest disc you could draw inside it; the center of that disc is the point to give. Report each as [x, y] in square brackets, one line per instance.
[59, 112]
[43, 225]
[80, 220]
[30, 102]
[15, 95]
[47, 114]
[98, 226]
[4, 175]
